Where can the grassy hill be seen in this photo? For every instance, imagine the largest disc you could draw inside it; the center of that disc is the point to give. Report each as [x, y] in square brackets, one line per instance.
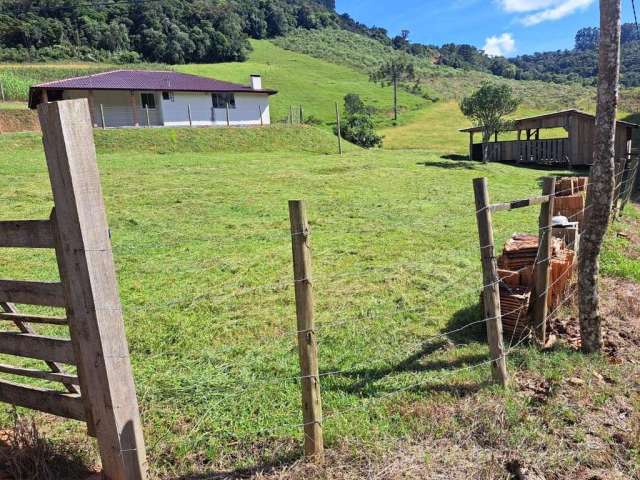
[315, 84]
[440, 82]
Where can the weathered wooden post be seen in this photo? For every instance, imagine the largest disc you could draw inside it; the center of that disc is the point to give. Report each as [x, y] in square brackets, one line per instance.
[228, 119]
[189, 114]
[104, 124]
[542, 268]
[307, 341]
[260, 111]
[146, 108]
[339, 129]
[634, 168]
[2, 91]
[301, 115]
[90, 288]
[491, 293]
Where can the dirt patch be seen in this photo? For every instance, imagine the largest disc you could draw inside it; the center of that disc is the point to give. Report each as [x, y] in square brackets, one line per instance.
[18, 121]
[620, 303]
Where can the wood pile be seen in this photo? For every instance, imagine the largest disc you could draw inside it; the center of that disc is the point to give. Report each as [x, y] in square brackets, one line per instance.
[571, 197]
[516, 272]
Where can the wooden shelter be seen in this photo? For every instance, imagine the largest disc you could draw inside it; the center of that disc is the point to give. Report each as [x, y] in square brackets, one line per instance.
[574, 149]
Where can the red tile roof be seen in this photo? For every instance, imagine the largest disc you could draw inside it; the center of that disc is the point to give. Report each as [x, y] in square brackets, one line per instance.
[147, 80]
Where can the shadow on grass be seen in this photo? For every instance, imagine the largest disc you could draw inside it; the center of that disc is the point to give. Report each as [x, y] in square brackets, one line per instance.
[461, 333]
[453, 165]
[457, 158]
[279, 463]
[365, 378]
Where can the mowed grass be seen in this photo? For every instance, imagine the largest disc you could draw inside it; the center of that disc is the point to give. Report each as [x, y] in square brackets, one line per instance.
[202, 249]
[303, 80]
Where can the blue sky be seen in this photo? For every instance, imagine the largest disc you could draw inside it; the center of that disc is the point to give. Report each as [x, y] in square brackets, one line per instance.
[508, 27]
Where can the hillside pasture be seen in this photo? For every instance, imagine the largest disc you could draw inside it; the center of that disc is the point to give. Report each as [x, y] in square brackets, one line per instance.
[437, 127]
[202, 248]
[315, 84]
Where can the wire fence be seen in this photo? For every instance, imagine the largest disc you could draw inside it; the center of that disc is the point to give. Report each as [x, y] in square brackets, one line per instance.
[458, 289]
[461, 287]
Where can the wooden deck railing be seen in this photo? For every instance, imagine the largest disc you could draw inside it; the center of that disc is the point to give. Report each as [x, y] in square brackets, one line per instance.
[554, 151]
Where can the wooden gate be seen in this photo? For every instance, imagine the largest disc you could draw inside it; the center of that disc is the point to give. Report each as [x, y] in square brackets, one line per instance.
[102, 393]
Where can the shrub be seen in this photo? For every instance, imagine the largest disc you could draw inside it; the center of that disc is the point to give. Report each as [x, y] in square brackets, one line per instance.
[358, 126]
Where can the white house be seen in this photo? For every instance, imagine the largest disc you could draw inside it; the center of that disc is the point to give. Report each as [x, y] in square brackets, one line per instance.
[132, 98]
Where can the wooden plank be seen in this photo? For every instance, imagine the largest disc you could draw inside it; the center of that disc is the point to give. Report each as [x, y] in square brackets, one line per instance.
[25, 327]
[38, 319]
[88, 274]
[33, 373]
[542, 267]
[67, 405]
[28, 345]
[26, 234]
[307, 340]
[527, 202]
[32, 293]
[491, 293]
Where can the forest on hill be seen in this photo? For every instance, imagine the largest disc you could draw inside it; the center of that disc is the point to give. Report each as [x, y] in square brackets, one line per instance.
[167, 31]
[581, 63]
[211, 31]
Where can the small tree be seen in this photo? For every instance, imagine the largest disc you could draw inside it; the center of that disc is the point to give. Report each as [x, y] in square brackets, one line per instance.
[397, 70]
[487, 108]
[358, 127]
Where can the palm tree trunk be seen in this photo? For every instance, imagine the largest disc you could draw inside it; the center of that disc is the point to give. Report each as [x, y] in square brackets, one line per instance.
[602, 183]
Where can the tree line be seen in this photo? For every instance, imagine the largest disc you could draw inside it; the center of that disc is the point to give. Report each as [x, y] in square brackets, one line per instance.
[166, 31]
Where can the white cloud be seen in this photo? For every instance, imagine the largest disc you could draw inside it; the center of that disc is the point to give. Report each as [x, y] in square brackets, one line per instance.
[500, 46]
[543, 10]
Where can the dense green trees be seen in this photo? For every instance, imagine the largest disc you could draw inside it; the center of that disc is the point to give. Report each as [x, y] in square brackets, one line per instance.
[581, 63]
[169, 31]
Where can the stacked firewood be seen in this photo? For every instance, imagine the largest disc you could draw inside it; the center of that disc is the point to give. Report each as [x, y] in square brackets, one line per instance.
[516, 270]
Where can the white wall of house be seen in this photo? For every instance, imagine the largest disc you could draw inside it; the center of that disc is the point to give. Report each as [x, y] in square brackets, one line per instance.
[248, 107]
[115, 106]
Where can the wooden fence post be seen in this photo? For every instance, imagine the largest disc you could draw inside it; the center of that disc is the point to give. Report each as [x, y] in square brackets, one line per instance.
[634, 168]
[2, 92]
[228, 119]
[307, 341]
[104, 125]
[621, 172]
[301, 115]
[261, 120]
[90, 289]
[339, 129]
[148, 118]
[189, 113]
[491, 293]
[542, 268]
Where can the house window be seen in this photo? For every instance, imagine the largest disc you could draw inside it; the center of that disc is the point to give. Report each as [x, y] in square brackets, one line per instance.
[220, 100]
[167, 96]
[148, 100]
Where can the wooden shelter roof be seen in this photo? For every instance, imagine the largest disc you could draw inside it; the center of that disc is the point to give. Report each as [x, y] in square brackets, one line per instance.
[550, 120]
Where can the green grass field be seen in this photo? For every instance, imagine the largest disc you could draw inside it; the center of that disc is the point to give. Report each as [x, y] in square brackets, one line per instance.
[203, 251]
[200, 232]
